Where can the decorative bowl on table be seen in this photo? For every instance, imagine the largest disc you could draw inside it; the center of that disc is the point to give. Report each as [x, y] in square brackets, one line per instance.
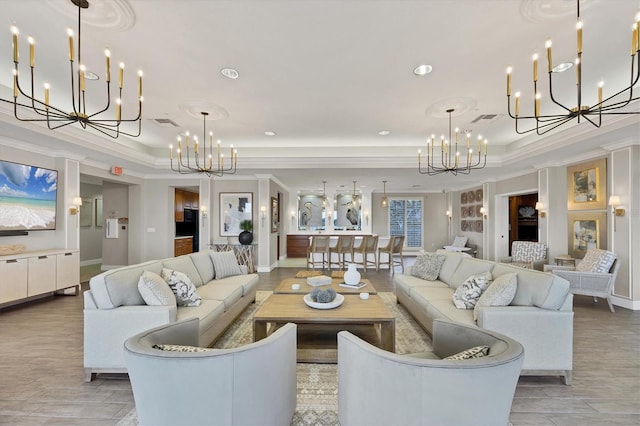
[323, 299]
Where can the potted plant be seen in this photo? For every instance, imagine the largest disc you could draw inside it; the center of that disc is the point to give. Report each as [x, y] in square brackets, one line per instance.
[246, 237]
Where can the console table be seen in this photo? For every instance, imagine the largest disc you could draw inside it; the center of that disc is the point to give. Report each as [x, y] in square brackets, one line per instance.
[245, 253]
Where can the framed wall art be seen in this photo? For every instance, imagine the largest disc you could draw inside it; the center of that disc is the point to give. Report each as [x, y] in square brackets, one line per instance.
[348, 209]
[586, 230]
[587, 185]
[311, 212]
[99, 219]
[274, 214]
[234, 208]
[86, 212]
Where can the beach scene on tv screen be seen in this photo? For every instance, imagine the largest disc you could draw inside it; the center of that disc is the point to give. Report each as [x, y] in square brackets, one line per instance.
[27, 197]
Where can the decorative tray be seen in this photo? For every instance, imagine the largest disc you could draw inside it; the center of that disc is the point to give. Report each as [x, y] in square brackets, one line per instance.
[334, 304]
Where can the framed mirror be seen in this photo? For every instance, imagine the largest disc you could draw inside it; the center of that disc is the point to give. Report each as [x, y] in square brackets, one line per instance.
[311, 213]
[348, 212]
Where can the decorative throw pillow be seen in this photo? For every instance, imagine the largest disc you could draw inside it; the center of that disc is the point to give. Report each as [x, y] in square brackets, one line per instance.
[597, 260]
[475, 352]
[182, 348]
[500, 293]
[182, 287]
[155, 291]
[466, 296]
[427, 266]
[459, 241]
[225, 264]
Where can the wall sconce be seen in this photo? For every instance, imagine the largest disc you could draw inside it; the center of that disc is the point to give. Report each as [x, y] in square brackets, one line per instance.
[366, 217]
[203, 210]
[263, 215]
[540, 208]
[616, 208]
[484, 212]
[77, 202]
[448, 213]
[293, 216]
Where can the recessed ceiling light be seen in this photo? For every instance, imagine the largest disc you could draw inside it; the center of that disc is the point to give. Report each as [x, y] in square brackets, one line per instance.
[383, 132]
[270, 133]
[230, 73]
[422, 69]
[562, 67]
[91, 75]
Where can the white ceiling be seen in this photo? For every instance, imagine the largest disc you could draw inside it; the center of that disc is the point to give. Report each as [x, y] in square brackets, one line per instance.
[326, 76]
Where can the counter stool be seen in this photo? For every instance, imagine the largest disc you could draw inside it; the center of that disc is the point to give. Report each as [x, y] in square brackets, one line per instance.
[393, 249]
[368, 246]
[319, 245]
[343, 247]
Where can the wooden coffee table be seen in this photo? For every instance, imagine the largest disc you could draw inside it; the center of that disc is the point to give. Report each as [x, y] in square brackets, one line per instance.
[317, 328]
[285, 287]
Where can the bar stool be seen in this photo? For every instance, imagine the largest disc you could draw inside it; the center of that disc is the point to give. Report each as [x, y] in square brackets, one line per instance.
[368, 246]
[343, 247]
[319, 245]
[393, 249]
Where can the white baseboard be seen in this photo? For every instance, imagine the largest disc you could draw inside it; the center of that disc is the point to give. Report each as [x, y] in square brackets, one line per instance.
[634, 305]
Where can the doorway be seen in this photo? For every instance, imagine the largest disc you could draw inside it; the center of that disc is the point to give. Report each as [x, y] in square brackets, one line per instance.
[523, 218]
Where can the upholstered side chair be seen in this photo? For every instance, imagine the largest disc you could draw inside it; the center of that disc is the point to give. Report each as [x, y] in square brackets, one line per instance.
[218, 387]
[527, 254]
[376, 387]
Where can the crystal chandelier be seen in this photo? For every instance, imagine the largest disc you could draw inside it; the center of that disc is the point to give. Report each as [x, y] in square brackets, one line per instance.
[593, 114]
[57, 117]
[184, 164]
[450, 161]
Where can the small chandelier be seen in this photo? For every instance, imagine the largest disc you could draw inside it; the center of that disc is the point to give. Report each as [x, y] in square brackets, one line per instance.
[546, 123]
[186, 165]
[385, 201]
[56, 117]
[450, 155]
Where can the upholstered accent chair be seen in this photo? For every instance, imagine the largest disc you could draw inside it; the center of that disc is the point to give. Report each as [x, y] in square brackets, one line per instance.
[367, 247]
[320, 244]
[217, 387]
[376, 387]
[594, 276]
[393, 250]
[343, 247]
[527, 254]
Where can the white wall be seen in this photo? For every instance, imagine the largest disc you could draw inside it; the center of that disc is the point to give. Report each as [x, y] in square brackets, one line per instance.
[91, 237]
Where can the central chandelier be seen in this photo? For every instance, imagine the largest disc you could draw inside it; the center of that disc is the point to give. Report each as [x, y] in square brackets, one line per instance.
[57, 117]
[184, 164]
[607, 106]
[450, 161]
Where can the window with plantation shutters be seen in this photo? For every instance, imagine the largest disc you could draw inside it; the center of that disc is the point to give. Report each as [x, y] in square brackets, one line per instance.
[405, 219]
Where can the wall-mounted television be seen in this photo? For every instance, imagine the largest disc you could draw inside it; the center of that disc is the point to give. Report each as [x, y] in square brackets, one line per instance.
[27, 198]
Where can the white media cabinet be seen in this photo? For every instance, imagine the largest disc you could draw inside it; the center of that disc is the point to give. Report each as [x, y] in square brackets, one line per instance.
[28, 275]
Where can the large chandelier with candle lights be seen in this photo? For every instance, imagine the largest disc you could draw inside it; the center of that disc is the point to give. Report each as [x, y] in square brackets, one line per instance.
[445, 157]
[610, 105]
[39, 109]
[189, 159]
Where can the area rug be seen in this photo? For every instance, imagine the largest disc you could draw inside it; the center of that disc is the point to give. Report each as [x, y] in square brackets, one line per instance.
[317, 388]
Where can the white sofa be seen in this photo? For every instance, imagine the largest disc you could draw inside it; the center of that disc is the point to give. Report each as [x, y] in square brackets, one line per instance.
[114, 309]
[540, 316]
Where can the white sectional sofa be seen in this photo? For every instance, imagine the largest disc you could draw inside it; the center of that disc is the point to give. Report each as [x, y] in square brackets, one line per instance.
[114, 309]
[540, 316]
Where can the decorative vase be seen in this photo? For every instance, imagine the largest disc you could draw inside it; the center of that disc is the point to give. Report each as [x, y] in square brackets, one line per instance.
[245, 238]
[352, 276]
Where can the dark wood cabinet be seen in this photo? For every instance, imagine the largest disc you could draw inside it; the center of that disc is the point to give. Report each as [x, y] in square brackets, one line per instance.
[179, 203]
[297, 245]
[182, 246]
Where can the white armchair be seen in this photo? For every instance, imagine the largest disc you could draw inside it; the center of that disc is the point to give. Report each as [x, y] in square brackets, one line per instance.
[253, 384]
[594, 276]
[527, 254]
[376, 387]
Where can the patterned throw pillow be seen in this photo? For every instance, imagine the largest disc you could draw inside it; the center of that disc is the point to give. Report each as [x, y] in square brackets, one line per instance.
[459, 241]
[155, 291]
[500, 293]
[225, 264]
[466, 296]
[182, 348]
[475, 352]
[182, 287]
[428, 266]
[597, 260]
